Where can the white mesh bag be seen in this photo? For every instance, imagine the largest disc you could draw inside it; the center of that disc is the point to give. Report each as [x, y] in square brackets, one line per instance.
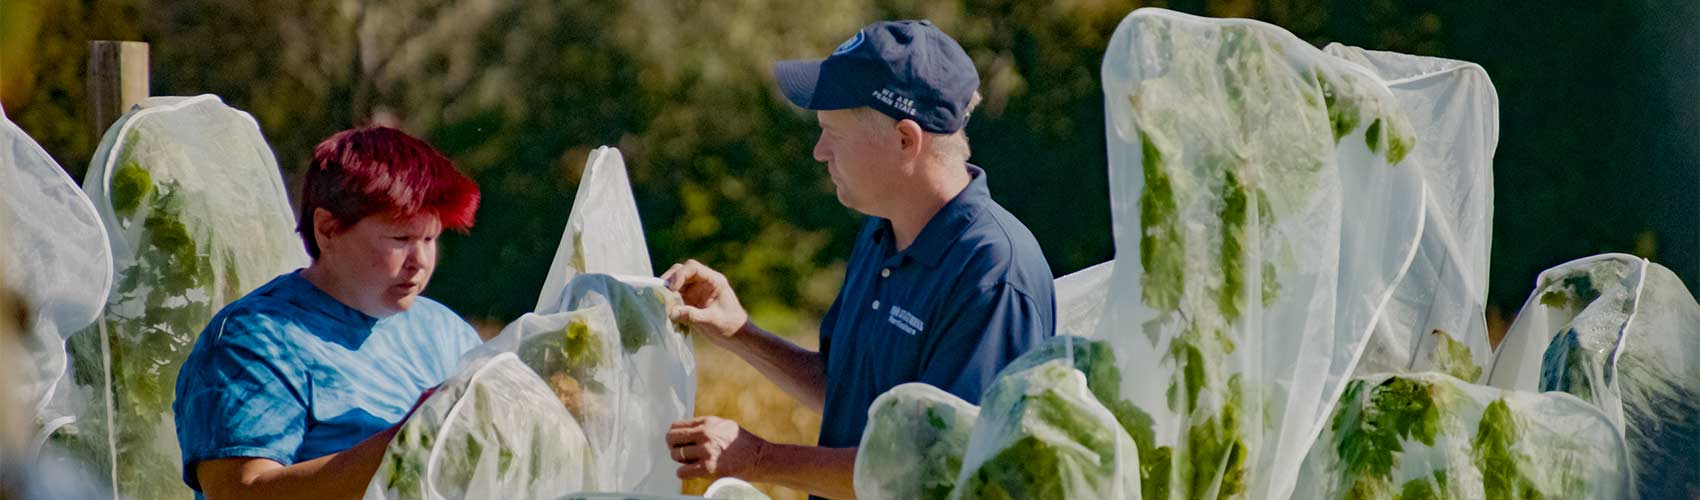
[1429, 435]
[493, 430]
[1436, 312]
[577, 354]
[603, 233]
[56, 257]
[656, 380]
[731, 488]
[194, 205]
[1080, 299]
[1624, 334]
[913, 445]
[1263, 212]
[1042, 434]
[603, 259]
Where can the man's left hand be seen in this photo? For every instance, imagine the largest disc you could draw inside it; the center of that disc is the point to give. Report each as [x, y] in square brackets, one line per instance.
[714, 447]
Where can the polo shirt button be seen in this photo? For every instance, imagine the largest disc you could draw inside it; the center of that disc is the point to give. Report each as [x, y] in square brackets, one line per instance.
[885, 273]
[876, 305]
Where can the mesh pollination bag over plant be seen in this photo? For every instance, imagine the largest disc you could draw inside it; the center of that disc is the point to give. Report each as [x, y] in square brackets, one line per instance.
[1435, 319]
[913, 445]
[1035, 451]
[493, 430]
[1045, 440]
[577, 356]
[1590, 294]
[56, 257]
[1432, 436]
[1043, 434]
[1623, 334]
[1263, 214]
[194, 205]
[603, 260]
[603, 234]
[654, 382]
[1080, 299]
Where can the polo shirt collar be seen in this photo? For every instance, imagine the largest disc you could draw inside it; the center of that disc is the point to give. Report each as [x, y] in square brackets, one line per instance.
[947, 225]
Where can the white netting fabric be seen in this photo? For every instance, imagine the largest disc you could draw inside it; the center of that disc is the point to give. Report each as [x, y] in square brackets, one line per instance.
[493, 430]
[1264, 211]
[656, 382]
[1080, 299]
[913, 445]
[1435, 319]
[194, 205]
[604, 233]
[55, 256]
[1624, 334]
[1429, 435]
[1042, 434]
[603, 260]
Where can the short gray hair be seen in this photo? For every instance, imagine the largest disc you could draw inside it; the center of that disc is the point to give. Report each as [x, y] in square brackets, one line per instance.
[944, 148]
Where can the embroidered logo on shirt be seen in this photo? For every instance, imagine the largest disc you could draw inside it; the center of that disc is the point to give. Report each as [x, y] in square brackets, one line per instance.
[905, 321]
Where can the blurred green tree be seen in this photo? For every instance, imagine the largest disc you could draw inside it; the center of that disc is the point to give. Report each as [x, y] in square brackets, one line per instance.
[1597, 150]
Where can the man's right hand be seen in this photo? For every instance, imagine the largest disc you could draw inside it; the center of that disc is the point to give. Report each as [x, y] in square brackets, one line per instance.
[710, 305]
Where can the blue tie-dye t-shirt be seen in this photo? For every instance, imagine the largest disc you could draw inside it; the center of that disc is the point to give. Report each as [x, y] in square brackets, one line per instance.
[290, 374]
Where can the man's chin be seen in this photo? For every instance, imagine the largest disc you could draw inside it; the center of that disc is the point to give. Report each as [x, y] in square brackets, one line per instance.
[848, 203]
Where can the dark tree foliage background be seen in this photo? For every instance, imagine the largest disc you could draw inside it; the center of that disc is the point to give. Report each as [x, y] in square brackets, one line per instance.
[1599, 104]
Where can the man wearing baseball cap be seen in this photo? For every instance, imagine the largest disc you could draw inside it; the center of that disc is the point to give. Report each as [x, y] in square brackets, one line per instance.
[944, 286]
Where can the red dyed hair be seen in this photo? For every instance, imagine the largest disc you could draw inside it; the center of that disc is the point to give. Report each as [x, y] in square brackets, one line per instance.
[380, 170]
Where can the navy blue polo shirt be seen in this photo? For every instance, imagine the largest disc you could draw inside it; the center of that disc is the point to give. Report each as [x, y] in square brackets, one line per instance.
[970, 294]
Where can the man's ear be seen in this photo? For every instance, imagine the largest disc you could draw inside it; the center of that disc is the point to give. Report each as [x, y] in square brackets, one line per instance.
[912, 139]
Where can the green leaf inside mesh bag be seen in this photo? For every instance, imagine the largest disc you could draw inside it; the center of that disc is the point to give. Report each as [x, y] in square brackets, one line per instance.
[1041, 434]
[493, 430]
[1097, 360]
[577, 356]
[1429, 435]
[640, 308]
[656, 379]
[913, 445]
[622, 366]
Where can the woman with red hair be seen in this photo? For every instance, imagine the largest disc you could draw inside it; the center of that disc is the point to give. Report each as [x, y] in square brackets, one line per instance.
[294, 390]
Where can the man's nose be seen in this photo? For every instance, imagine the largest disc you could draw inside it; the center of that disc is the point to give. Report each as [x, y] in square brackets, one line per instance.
[822, 153]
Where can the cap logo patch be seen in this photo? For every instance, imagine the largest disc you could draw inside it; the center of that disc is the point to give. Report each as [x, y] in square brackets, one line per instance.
[849, 45]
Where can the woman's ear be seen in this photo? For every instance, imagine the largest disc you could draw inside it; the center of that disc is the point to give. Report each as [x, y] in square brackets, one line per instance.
[325, 228]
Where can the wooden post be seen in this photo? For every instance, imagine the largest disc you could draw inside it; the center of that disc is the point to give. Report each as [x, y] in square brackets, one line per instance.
[118, 79]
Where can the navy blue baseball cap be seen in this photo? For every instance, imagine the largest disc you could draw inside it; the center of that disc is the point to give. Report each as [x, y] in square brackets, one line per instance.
[905, 69]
